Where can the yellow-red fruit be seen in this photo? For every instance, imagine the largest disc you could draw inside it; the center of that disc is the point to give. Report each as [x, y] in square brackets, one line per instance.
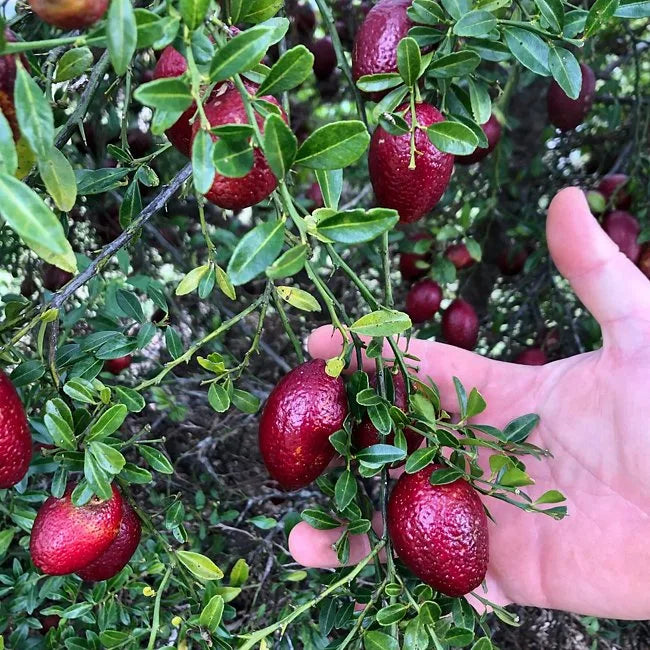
[15, 438]
[69, 14]
[66, 538]
[305, 408]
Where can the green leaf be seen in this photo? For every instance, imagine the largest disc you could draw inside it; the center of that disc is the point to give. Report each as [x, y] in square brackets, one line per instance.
[60, 430]
[133, 401]
[128, 302]
[98, 181]
[391, 614]
[97, 477]
[289, 263]
[218, 398]
[334, 145]
[244, 401]
[520, 428]
[456, 8]
[459, 636]
[331, 186]
[345, 489]
[202, 165]
[173, 343]
[113, 638]
[553, 13]
[121, 34]
[171, 94]
[6, 536]
[574, 22]
[633, 9]
[256, 251]
[420, 459]
[371, 83]
[193, 11]
[452, 137]
[444, 476]
[211, 615]
[299, 298]
[280, 145]
[599, 14]
[232, 158]
[357, 226]
[254, 11]
[552, 496]
[289, 71]
[133, 474]
[34, 113]
[385, 322]
[239, 573]
[73, 63]
[475, 23]
[224, 284]
[319, 519]
[456, 64]
[156, 459]
[483, 644]
[475, 403]
[408, 60]
[246, 49]
[480, 101]
[200, 565]
[80, 390]
[109, 459]
[426, 12]
[8, 155]
[565, 70]
[109, 422]
[26, 213]
[379, 641]
[380, 454]
[27, 372]
[191, 280]
[529, 49]
[515, 477]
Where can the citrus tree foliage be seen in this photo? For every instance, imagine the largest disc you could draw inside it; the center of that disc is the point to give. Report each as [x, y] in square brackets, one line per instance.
[110, 251]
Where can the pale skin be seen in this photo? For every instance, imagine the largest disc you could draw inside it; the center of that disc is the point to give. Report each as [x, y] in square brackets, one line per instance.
[595, 419]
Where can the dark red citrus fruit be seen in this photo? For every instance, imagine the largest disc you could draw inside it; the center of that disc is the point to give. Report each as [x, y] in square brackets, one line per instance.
[54, 278]
[324, 57]
[459, 256]
[121, 550]
[140, 143]
[624, 229]
[15, 438]
[531, 357]
[412, 192]
[460, 324]
[304, 19]
[492, 130]
[610, 184]
[644, 260]
[408, 262]
[566, 113]
[66, 538]
[512, 260]
[305, 408]
[439, 531]
[69, 14]
[423, 300]
[115, 366]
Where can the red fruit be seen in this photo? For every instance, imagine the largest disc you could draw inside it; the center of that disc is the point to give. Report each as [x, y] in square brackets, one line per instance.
[492, 130]
[140, 143]
[315, 195]
[69, 14]
[305, 408]
[324, 57]
[239, 193]
[54, 278]
[460, 324]
[116, 366]
[15, 438]
[7, 80]
[531, 357]
[66, 538]
[375, 47]
[644, 260]
[511, 261]
[117, 555]
[304, 19]
[609, 184]
[412, 192]
[439, 531]
[408, 261]
[459, 256]
[48, 622]
[423, 300]
[566, 113]
[624, 229]
[365, 433]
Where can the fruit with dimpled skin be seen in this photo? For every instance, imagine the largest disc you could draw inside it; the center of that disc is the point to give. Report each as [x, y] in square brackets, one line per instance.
[54, 278]
[408, 262]
[69, 14]
[7, 80]
[66, 538]
[460, 324]
[15, 438]
[624, 229]
[566, 113]
[531, 357]
[115, 366]
[118, 554]
[375, 47]
[459, 256]
[644, 260]
[239, 193]
[423, 300]
[610, 184]
[412, 192]
[304, 409]
[492, 130]
[439, 531]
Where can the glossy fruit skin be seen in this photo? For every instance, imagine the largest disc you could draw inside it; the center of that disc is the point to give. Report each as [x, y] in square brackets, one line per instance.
[118, 554]
[459, 256]
[239, 193]
[608, 185]
[566, 113]
[324, 57]
[408, 261]
[54, 278]
[644, 260]
[531, 357]
[303, 410]
[315, 195]
[412, 192]
[624, 229]
[423, 300]
[511, 261]
[460, 324]
[440, 532]
[492, 130]
[115, 366]
[375, 47]
[7, 81]
[66, 538]
[69, 14]
[15, 438]
[365, 433]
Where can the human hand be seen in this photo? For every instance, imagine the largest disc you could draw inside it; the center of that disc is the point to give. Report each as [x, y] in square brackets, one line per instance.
[595, 418]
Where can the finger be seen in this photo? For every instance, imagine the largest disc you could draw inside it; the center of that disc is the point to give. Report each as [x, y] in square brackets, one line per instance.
[607, 282]
[506, 387]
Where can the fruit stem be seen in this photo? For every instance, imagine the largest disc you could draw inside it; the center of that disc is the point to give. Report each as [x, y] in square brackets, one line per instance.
[155, 624]
[46, 44]
[212, 252]
[385, 258]
[258, 636]
[362, 616]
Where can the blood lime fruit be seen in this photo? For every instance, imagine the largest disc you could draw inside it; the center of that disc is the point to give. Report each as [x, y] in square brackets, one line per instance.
[423, 300]
[566, 113]
[624, 228]
[15, 438]
[460, 324]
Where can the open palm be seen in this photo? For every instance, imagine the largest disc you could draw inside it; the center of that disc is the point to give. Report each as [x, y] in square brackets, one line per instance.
[595, 418]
